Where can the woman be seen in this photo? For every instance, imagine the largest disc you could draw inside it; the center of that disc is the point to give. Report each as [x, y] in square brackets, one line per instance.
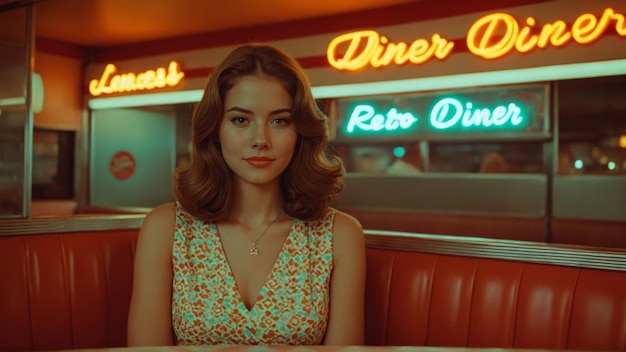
[252, 251]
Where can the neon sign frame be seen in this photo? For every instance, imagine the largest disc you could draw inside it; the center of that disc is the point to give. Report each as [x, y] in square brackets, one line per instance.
[511, 111]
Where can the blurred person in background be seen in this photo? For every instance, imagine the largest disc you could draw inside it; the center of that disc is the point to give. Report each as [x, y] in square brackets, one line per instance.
[493, 163]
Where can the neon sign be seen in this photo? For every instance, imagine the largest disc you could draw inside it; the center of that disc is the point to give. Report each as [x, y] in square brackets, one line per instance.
[515, 110]
[481, 38]
[110, 83]
[490, 37]
[450, 112]
[447, 113]
[365, 118]
[379, 51]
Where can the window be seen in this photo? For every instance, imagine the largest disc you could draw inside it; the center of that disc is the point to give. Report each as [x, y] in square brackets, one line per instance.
[443, 157]
[53, 164]
[592, 126]
[513, 157]
[487, 130]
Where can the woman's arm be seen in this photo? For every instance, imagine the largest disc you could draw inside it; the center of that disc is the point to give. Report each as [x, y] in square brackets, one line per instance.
[347, 284]
[150, 317]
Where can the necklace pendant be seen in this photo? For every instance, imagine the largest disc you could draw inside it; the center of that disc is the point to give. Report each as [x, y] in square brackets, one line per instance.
[254, 250]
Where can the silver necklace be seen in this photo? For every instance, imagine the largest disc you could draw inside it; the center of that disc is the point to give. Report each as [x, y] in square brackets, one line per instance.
[254, 250]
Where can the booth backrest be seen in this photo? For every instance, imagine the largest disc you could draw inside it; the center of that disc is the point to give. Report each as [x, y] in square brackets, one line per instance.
[67, 290]
[442, 300]
[587, 232]
[72, 290]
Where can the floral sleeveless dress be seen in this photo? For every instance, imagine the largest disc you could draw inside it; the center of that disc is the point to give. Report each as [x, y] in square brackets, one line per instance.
[292, 307]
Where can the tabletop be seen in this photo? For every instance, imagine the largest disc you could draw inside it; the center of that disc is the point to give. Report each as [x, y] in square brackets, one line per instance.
[239, 348]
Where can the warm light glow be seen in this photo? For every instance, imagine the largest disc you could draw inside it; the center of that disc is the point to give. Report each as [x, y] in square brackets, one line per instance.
[587, 28]
[480, 36]
[368, 47]
[497, 34]
[622, 141]
[490, 37]
[128, 82]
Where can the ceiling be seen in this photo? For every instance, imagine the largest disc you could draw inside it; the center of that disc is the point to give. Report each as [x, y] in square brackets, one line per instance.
[101, 23]
[105, 23]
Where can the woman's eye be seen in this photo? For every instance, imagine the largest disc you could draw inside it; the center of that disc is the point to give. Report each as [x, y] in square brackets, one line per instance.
[238, 120]
[281, 121]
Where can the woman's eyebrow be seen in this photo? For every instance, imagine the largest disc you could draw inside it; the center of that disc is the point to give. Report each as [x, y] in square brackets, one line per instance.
[246, 111]
[238, 109]
[280, 111]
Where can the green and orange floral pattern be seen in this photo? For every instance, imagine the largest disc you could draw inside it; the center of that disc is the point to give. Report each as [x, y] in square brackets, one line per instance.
[292, 307]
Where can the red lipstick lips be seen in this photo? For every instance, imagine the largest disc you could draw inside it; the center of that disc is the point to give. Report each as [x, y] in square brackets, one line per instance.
[259, 161]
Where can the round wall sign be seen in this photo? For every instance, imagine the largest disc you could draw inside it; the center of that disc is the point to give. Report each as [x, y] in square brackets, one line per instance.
[122, 165]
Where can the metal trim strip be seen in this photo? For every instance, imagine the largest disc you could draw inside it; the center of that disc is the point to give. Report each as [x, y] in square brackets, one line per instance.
[70, 224]
[530, 252]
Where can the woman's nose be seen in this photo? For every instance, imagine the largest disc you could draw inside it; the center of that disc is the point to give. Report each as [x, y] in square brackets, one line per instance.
[260, 138]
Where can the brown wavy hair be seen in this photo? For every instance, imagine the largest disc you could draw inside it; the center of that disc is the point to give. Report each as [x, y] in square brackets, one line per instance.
[312, 180]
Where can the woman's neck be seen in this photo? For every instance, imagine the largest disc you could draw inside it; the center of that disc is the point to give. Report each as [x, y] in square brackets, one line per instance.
[253, 204]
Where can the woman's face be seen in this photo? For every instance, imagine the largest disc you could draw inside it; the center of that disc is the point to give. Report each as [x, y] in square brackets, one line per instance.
[257, 135]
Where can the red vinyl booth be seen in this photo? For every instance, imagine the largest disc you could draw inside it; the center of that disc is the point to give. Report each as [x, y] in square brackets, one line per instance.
[72, 290]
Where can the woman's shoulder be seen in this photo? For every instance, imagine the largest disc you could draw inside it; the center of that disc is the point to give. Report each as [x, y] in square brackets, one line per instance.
[348, 238]
[160, 221]
[346, 219]
[347, 226]
[163, 213]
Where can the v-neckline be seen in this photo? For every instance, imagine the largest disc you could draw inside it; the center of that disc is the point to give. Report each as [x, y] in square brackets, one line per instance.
[270, 274]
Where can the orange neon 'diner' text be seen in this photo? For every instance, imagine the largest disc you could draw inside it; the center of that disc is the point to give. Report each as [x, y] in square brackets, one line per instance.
[490, 37]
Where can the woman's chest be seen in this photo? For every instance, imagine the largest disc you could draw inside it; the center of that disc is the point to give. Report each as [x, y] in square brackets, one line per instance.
[252, 262]
[291, 306]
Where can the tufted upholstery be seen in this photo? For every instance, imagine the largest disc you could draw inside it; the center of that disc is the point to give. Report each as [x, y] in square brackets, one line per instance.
[67, 290]
[71, 290]
[442, 300]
